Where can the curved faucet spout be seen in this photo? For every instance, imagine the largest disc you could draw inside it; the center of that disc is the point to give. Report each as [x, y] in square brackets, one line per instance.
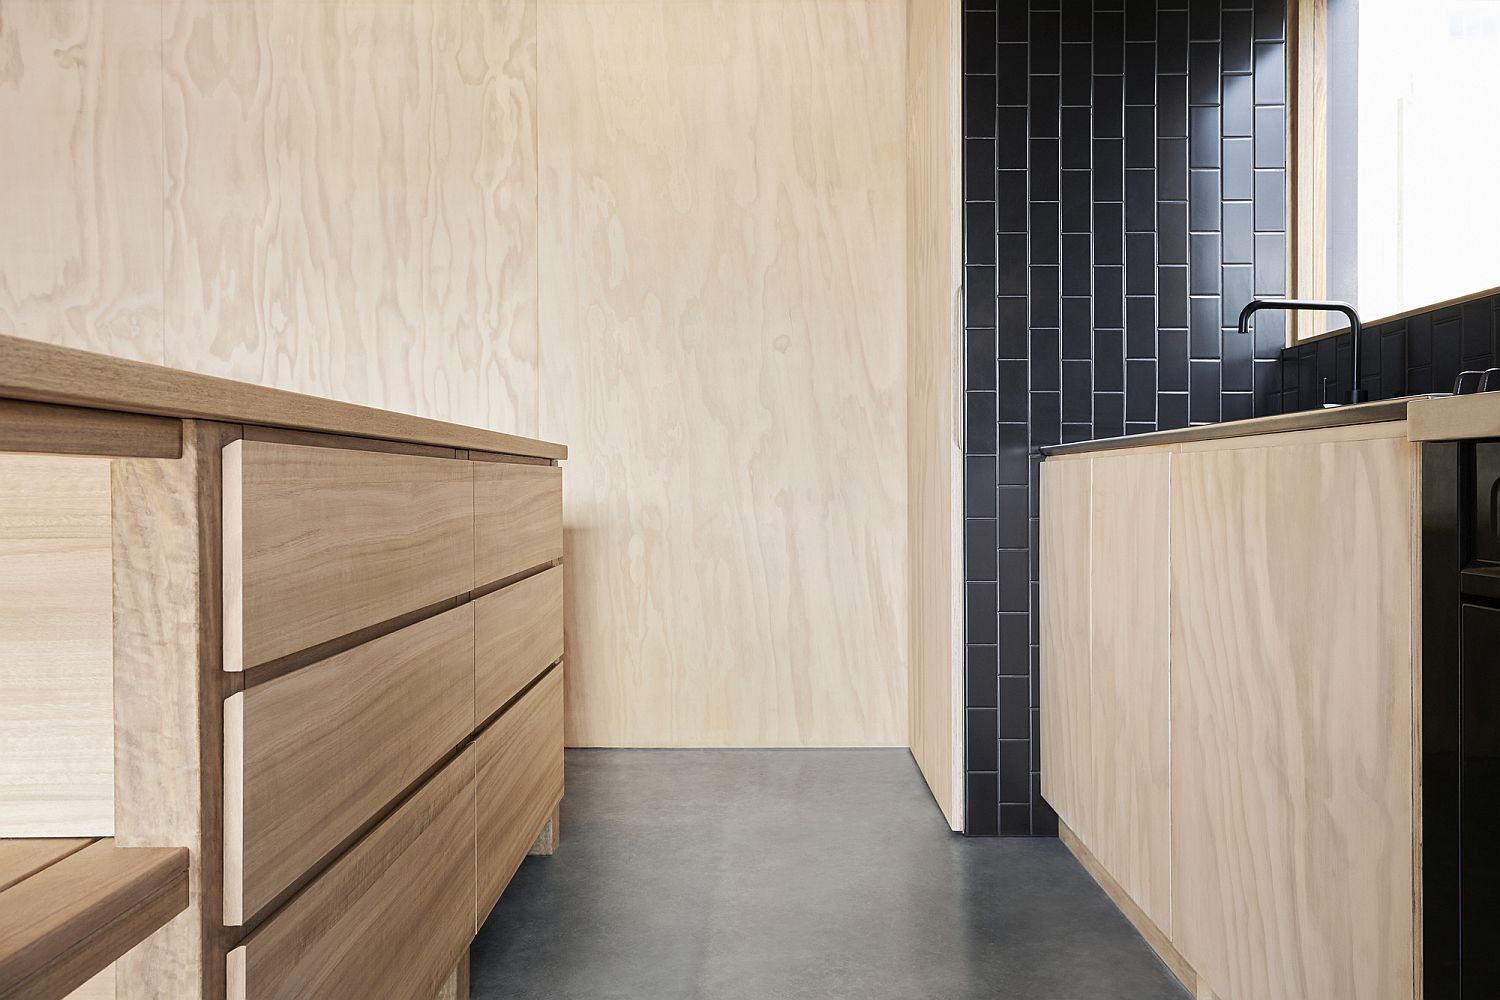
[1356, 394]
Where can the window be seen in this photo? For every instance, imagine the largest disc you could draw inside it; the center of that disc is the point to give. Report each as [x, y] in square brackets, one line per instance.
[1411, 128]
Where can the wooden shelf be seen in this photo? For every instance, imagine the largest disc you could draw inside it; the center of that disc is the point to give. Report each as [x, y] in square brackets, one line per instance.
[69, 908]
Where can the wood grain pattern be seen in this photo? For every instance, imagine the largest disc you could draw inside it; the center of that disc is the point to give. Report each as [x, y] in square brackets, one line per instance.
[168, 705]
[934, 442]
[56, 735]
[63, 925]
[321, 542]
[80, 182]
[351, 201]
[723, 259]
[480, 285]
[518, 518]
[1292, 718]
[1066, 667]
[518, 633]
[22, 857]
[519, 763]
[43, 428]
[50, 374]
[389, 918]
[1130, 820]
[311, 756]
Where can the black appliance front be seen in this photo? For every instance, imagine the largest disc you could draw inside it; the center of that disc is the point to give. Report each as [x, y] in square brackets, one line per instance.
[1461, 720]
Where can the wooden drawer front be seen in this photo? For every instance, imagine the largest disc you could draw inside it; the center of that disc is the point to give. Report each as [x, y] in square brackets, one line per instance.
[517, 518]
[520, 779]
[390, 918]
[322, 542]
[310, 757]
[518, 633]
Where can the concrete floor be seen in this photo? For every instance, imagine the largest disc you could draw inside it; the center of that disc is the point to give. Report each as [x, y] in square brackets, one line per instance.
[753, 875]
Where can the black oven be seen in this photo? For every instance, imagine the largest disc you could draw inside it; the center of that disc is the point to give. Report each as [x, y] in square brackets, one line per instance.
[1461, 719]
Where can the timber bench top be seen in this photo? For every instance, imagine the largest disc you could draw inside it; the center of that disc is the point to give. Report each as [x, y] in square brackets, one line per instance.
[68, 908]
[36, 372]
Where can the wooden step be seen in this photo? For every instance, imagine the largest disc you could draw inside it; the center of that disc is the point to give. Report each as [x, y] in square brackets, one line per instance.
[69, 911]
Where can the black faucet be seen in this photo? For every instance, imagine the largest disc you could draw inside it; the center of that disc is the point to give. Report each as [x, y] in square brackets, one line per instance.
[1356, 394]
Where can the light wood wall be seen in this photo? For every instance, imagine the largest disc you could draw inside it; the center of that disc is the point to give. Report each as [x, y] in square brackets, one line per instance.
[723, 252]
[703, 205]
[934, 331]
[334, 198]
[56, 733]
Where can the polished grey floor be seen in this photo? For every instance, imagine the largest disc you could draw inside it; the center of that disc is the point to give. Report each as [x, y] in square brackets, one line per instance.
[763, 875]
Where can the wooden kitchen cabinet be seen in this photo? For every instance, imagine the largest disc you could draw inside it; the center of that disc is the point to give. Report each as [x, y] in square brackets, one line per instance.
[1067, 745]
[1292, 684]
[1228, 645]
[1130, 683]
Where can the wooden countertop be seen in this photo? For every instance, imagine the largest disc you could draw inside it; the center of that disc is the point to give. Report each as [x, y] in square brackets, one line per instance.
[1339, 416]
[1455, 418]
[45, 373]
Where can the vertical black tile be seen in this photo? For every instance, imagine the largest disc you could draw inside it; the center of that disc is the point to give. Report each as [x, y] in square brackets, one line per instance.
[1203, 137]
[1140, 391]
[980, 563]
[1015, 771]
[1171, 107]
[1015, 708]
[1235, 48]
[981, 804]
[1172, 232]
[1015, 820]
[1077, 75]
[1204, 202]
[1270, 136]
[1270, 18]
[1172, 361]
[1140, 327]
[1270, 73]
[1140, 74]
[981, 741]
[979, 41]
[1239, 106]
[1239, 169]
[1203, 387]
[1172, 41]
[1109, 360]
[979, 677]
[1239, 231]
[1203, 73]
[979, 106]
[1270, 200]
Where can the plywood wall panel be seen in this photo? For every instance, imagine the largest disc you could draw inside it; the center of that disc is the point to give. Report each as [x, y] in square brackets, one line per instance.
[80, 178]
[722, 251]
[350, 201]
[934, 275]
[56, 687]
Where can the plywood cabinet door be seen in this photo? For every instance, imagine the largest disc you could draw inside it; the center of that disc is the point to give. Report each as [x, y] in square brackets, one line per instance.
[1067, 746]
[1291, 697]
[1131, 813]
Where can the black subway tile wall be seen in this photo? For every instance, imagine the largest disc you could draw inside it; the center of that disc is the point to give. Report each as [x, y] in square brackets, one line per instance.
[1405, 357]
[1125, 196]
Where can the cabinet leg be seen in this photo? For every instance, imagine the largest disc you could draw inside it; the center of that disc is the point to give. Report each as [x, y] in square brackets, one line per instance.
[547, 841]
[456, 986]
